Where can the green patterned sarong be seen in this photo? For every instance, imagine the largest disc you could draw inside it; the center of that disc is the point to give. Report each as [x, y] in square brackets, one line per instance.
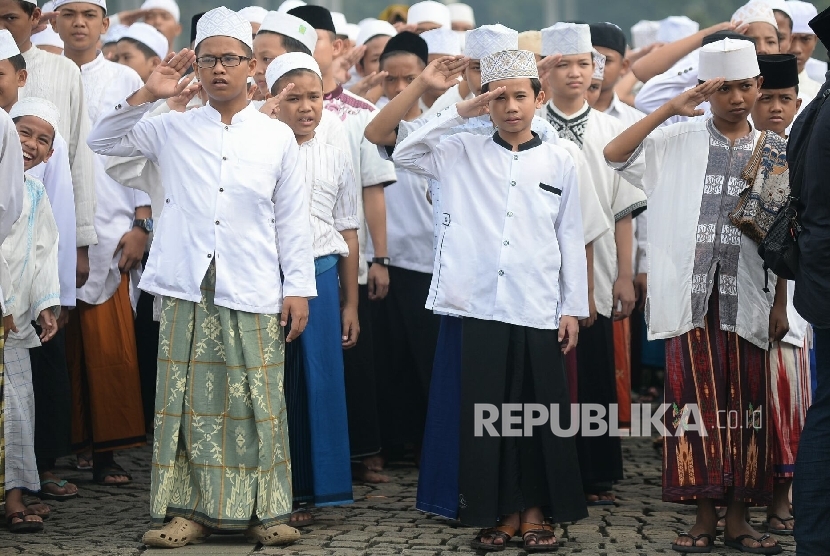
[220, 453]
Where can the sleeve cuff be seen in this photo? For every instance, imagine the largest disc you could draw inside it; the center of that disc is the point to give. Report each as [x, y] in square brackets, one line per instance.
[620, 166]
[299, 291]
[86, 236]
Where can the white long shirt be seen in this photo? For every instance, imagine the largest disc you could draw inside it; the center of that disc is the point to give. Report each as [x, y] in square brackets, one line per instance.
[234, 194]
[808, 88]
[11, 195]
[513, 248]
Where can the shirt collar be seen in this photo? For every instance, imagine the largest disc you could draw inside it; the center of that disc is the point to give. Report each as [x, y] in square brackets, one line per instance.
[334, 94]
[535, 142]
[575, 115]
[614, 107]
[94, 64]
[212, 114]
[748, 138]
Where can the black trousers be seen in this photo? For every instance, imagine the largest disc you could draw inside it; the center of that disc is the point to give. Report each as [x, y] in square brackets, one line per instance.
[50, 382]
[147, 344]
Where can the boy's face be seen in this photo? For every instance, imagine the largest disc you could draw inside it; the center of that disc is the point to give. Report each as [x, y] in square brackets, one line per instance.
[733, 102]
[128, 54]
[267, 46]
[80, 25]
[785, 31]
[220, 83]
[802, 45]
[765, 37]
[592, 94]
[36, 138]
[571, 77]
[328, 48]
[17, 22]
[302, 107]
[402, 69]
[10, 82]
[164, 22]
[776, 109]
[371, 58]
[472, 75]
[513, 110]
[615, 67]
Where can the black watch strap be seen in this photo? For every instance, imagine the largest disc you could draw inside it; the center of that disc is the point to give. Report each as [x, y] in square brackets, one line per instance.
[382, 261]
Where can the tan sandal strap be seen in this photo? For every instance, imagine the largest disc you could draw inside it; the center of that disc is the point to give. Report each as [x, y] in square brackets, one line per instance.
[537, 528]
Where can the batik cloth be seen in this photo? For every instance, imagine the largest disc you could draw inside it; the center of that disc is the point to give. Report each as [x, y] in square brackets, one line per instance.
[220, 453]
[790, 396]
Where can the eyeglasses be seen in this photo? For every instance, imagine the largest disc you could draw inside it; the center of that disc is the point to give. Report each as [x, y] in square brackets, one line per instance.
[228, 61]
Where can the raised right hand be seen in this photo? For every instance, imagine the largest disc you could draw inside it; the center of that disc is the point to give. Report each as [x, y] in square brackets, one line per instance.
[687, 103]
[443, 72]
[166, 80]
[271, 108]
[478, 106]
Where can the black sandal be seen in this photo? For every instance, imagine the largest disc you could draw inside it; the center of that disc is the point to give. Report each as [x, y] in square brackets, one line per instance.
[738, 544]
[110, 470]
[783, 520]
[694, 548]
[503, 532]
[537, 532]
[24, 525]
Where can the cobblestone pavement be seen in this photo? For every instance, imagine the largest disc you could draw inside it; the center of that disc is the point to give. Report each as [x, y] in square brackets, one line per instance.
[110, 521]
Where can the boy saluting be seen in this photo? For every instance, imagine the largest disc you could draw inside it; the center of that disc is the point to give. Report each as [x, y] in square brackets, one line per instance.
[232, 185]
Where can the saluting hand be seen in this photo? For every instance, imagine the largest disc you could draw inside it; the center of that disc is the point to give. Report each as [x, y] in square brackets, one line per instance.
[179, 102]
[687, 103]
[271, 108]
[546, 65]
[443, 72]
[365, 86]
[480, 105]
[166, 80]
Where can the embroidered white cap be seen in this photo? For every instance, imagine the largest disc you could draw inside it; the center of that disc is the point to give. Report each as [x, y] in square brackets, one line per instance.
[599, 65]
[290, 5]
[340, 23]
[149, 36]
[8, 47]
[676, 27]
[461, 13]
[489, 39]
[508, 64]
[222, 22]
[430, 11]
[290, 61]
[61, 3]
[802, 13]
[47, 37]
[729, 59]
[290, 26]
[644, 33]
[531, 40]
[755, 12]
[38, 107]
[442, 40]
[254, 14]
[352, 31]
[370, 29]
[780, 5]
[566, 39]
[169, 6]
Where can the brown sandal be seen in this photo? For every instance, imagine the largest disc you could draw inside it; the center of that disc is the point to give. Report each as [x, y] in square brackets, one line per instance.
[536, 532]
[24, 525]
[503, 532]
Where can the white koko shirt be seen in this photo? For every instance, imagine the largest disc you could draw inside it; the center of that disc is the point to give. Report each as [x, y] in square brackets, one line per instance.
[513, 248]
[233, 193]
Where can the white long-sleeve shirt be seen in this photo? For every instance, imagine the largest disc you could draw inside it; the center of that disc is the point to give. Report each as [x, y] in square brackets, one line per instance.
[11, 194]
[513, 247]
[234, 194]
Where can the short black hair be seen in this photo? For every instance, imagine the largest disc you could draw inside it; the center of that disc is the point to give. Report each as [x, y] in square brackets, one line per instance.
[392, 54]
[290, 44]
[534, 83]
[54, 131]
[143, 48]
[245, 48]
[18, 62]
[279, 84]
[27, 7]
[786, 16]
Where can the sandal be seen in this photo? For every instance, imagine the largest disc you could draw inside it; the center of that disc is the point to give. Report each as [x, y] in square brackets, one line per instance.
[694, 548]
[538, 532]
[177, 533]
[84, 462]
[275, 535]
[607, 501]
[738, 544]
[110, 470]
[24, 525]
[783, 520]
[299, 523]
[503, 532]
[52, 496]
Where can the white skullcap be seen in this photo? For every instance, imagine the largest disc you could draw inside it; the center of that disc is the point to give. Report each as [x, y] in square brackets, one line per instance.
[755, 12]
[166, 5]
[149, 36]
[442, 40]
[816, 69]
[644, 33]
[676, 27]
[461, 13]
[114, 34]
[372, 28]
[599, 65]
[352, 31]
[531, 40]
[8, 47]
[429, 10]
[47, 37]
[222, 22]
[61, 3]
[254, 14]
[566, 39]
[47, 6]
[489, 39]
[508, 64]
[340, 23]
[38, 107]
[290, 5]
[32, 2]
[728, 59]
[780, 5]
[290, 26]
[802, 13]
[290, 61]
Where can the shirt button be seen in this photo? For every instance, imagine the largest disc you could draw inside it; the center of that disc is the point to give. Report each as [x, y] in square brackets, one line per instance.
[515, 157]
[210, 256]
[221, 189]
[438, 114]
[167, 200]
[513, 183]
[118, 107]
[506, 242]
[226, 128]
[501, 273]
[224, 158]
[217, 222]
[510, 214]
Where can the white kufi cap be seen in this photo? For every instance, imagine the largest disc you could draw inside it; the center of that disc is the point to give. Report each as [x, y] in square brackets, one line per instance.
[489, 39]
[290, 5]
[8, 47]
[755, 12]
[290, 26]
[340, 23]
[780, 5]
[729, 59]
[290, 61]
[61, 3]
[508, 64]
[222, 22]
[599, 65]
[676, 27]
[644, 33]
[442, 40]
[566, 39]
[39, 107]
[802, 13]
[254, 14]
[47, 37]
[352, 31]
[461, 13]
[114, 34]
[149, 36]
[429, 11]
[370, 29]
[169, 6]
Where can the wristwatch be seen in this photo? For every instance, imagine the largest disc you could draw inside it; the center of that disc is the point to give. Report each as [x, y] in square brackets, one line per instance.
[145, 224]
[382, 261]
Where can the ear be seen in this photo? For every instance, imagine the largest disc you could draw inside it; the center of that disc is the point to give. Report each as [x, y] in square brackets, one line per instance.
[106, 25]
[337, 48]
[22, 77]
[540, 99]
[251, 67]
[50, 153]
[760, 83]
[36, 16]
[626, 66]
[797, 105]
[155, 61]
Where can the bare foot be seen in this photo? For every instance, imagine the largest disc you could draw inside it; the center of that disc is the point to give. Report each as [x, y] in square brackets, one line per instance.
[85, 461]
[300, 518]
[52, 488]
[735, 530]
[38, 509]
[374, 463]
[16, 507]
[365, 475]
[511, 522]
[688, 539]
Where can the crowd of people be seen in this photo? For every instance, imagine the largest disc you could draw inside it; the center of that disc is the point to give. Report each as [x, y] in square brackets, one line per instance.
[302, 247]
